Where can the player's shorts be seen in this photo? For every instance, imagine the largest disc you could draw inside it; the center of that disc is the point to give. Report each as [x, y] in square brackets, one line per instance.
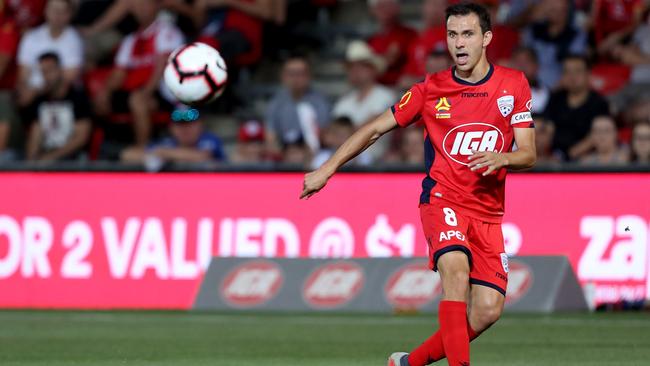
[447, 230]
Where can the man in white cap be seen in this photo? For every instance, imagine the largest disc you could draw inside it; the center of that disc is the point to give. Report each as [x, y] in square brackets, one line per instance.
[367, 99]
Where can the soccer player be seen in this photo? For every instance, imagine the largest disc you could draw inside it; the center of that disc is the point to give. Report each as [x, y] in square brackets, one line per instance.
[474, 114]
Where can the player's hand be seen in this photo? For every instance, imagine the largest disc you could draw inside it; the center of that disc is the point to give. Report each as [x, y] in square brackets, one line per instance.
[314, 182]
[487, 159]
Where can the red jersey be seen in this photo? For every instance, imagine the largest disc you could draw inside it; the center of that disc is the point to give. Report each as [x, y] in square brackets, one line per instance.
[9, 37]
[138, 52]
[434, 38]
[614, 15]
[397, 36]
[459, 117]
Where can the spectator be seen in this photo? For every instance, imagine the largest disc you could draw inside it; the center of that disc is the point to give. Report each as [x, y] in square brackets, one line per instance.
[505, 38]
[296, 153]
[432, 37]
[525, 60]
[411, 147]
[607, 149]
[60, 118]
[544, 133]
[189, 142]
[367, 99]
[26, 13]
[235, 27]
[250, 144]
[297, 111]
[637, 56]
[438, 60]
[333, 136]
[393, 39]
[553, 38]
[9, 36]
[573, 108]
[641, 143]
[612, 21]
[55, 35]
[135, 84]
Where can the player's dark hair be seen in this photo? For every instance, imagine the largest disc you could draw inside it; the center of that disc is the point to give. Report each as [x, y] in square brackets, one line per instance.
[578, 57]
[52, 56]
[464, 9]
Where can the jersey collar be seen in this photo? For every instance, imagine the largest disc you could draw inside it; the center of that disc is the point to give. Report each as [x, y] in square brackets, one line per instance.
[464, 82]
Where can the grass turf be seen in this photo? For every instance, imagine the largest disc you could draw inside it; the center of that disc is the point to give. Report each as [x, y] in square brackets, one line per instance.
[176, 338]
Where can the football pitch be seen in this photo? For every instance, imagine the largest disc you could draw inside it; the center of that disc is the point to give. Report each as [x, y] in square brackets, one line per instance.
[244, 339]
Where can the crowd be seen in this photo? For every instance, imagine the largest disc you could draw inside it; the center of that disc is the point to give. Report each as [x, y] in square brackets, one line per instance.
[81, 79]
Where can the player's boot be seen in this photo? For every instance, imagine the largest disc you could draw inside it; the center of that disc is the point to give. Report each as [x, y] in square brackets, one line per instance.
[398, 359]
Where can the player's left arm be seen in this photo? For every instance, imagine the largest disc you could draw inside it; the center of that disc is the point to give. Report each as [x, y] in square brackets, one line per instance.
[523, 158]
[524, 131]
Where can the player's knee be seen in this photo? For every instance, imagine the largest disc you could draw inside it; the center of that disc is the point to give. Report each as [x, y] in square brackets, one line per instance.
[484, 314]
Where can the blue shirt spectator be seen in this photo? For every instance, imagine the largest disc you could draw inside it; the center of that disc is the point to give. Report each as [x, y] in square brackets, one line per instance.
[296, 111]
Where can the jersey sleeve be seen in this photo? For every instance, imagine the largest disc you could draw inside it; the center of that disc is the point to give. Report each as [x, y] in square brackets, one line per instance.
[522, 117]
[409, 108]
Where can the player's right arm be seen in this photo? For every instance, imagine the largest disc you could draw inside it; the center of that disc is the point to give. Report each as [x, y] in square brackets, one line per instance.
[353, 146]
[403, 113]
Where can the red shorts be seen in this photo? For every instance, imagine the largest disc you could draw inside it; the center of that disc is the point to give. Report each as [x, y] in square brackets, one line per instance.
[447, 230]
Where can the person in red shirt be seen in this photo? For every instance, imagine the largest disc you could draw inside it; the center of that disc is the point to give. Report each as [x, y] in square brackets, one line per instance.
[473, 114]
[393, 39]
[430, 39]
[135, 84]
[9, 37]
[612, 21]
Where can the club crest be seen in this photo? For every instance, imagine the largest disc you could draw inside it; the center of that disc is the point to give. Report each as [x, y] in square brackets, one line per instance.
[506, 104]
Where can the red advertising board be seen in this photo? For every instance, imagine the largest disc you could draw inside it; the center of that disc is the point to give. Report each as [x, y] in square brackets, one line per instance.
[70, 240]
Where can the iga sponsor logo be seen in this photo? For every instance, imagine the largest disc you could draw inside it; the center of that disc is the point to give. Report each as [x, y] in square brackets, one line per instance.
[252, 283]
[461, 140]
[520, 279]
[412, 286]
[333, 284]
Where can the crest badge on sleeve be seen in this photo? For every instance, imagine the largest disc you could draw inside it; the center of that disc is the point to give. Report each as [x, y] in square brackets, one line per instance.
[506, 104]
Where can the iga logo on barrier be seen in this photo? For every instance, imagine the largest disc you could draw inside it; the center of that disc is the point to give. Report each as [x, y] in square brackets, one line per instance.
[520, 279]
[334, 284]
[412, 286]
[252, 283]
[461, 140]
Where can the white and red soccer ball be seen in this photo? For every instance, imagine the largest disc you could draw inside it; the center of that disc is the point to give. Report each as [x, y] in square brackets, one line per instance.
[196, 74]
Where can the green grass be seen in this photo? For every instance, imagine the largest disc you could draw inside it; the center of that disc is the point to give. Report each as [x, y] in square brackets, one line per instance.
[175, 338]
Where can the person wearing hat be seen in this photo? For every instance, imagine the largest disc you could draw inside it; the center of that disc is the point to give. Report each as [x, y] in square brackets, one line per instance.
[250, 147]
[188, 142]
[367, 98]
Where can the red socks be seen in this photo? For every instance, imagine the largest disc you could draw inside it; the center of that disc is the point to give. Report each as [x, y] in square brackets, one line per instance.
[452, 340]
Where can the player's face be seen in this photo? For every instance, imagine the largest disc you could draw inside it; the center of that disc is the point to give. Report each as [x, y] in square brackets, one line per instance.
[465, 41]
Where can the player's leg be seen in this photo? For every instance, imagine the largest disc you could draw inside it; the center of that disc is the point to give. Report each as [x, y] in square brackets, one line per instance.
[486, 306]
[489, 275]
[445, 233]
[454, 271]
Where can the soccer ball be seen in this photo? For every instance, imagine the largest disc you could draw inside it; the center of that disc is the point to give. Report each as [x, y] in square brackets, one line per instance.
[196, 74]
